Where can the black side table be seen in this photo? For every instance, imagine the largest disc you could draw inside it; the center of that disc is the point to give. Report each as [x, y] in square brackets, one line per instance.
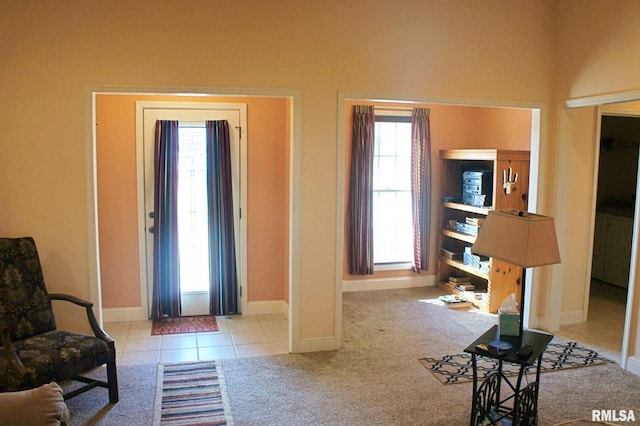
[520, 405]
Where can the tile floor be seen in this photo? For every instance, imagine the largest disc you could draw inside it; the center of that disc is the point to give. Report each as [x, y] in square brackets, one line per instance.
[604, 328]
[237, 337]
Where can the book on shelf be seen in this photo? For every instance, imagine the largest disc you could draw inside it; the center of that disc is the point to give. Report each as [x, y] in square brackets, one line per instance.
[465, 287]
[462, 279]
[452, 286]
[449, 254]
[477, 221]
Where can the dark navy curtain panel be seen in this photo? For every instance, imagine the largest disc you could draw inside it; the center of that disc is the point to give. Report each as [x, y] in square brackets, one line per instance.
[222, 252]
[166, 267]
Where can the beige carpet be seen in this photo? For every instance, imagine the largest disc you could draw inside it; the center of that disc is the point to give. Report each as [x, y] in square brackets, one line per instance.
[375, 379]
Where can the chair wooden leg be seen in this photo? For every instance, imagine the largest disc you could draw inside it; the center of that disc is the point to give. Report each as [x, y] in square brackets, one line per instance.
[112, 379]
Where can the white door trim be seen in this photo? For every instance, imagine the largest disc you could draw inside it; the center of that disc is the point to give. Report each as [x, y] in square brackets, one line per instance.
[241, 249]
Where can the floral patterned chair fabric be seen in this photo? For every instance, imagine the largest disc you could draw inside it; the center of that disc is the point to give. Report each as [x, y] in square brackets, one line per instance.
[34, 352]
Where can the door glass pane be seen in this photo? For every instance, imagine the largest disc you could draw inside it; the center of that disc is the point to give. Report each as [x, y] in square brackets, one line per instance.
[193, 210]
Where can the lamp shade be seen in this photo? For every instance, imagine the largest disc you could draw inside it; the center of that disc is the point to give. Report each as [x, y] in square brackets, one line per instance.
[520, 238]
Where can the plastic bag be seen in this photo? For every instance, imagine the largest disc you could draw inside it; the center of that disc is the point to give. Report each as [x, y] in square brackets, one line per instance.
[509, 305]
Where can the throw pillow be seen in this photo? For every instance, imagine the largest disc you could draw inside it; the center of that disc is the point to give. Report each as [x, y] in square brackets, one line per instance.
[40, 406]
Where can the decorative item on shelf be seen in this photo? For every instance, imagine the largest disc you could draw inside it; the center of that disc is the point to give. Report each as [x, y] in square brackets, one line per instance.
[520, 238]
[467, 229]
[474, 260]
[477, 187]
[510, 183]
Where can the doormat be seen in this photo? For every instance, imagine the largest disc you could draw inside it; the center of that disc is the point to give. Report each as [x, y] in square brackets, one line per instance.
[558, 356]
[191, 393]
[181, 325]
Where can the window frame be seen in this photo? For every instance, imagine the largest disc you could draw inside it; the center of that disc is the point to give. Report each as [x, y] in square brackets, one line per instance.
[395, 115]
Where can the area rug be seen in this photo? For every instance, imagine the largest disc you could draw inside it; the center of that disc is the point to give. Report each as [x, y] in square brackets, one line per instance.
[182, 325]
[558, 356]
[191, 393]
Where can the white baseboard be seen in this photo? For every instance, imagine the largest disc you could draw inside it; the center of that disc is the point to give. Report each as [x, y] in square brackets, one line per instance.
[389, 283]
[124, 314]
[329, 343]
[571, 317]
[139, 314]
[267, 307]
[633, 365]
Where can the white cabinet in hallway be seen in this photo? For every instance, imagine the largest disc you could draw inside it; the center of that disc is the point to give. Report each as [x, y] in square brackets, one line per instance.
[612, 248]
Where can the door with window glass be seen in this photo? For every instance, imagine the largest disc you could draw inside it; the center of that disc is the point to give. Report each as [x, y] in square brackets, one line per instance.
[192, 192]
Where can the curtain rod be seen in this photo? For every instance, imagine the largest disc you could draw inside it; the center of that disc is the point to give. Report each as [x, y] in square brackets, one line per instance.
[392, 108]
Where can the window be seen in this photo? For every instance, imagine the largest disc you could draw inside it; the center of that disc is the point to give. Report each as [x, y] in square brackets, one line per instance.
[193, 229]
[392, 217]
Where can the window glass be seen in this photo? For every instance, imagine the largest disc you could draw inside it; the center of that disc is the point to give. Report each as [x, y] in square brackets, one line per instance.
[392, 229]
[193, 234]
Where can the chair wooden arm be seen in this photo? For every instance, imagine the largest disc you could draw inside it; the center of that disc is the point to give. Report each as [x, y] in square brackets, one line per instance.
[72, 299]
[97, 330]
[10, 353]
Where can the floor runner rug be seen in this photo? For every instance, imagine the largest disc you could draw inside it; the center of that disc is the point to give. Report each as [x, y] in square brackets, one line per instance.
[181, 325]
[191, 393]
[558, 356]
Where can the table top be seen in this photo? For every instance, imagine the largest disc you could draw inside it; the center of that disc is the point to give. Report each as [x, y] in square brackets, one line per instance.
[537, 340]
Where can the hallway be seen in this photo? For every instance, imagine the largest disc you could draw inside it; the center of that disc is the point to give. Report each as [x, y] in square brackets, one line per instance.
[604, 328]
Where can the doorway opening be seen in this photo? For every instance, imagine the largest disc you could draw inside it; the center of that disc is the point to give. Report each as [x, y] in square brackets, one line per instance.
[272, 191]
[489, 126]
[192, 194]
[613, 233]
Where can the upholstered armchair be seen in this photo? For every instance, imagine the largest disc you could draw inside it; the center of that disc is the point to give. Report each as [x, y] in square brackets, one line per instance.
[34, 352]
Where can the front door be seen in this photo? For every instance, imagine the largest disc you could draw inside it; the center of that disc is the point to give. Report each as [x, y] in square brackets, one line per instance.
[192, 195]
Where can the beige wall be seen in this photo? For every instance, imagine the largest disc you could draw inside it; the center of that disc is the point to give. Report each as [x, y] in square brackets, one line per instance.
[598, 54]
[51, 51]
[597, 46]
[460, 51]
[267, 218]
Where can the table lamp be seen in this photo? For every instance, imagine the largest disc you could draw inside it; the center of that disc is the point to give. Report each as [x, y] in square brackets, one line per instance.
[521, 238]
